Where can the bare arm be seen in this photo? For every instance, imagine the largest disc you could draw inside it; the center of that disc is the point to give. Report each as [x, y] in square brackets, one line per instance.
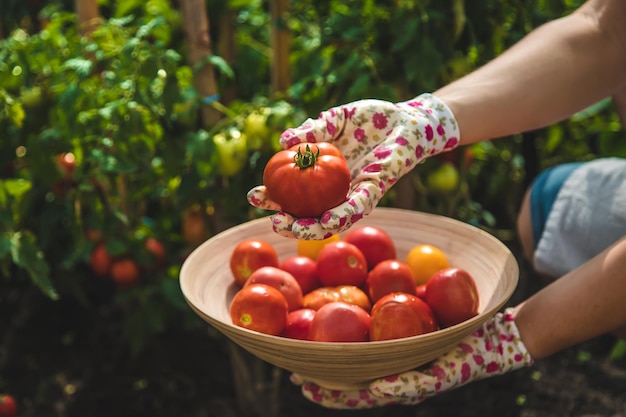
[575, 315]
[555, 71]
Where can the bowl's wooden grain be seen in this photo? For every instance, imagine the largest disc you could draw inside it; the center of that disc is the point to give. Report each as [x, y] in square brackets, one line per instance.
[208, 288]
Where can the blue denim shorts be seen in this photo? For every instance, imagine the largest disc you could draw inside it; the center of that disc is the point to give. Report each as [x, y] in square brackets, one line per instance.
[543, 193]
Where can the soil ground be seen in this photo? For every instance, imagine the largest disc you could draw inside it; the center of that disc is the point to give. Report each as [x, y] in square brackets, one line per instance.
[59, 361]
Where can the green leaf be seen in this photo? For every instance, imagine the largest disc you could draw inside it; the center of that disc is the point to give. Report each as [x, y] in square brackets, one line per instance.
[16, 187]
[218, 62]
[127, 7]
[5, 245]
[146, 29]
[618, 351]
[171, 292]
[592, 110]
[27, 255]
[16, 113]
[555, 137]
[81, 66]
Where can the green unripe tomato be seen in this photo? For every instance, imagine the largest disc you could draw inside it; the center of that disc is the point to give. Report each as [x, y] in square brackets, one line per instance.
[232, 151]
[444, 179]
[256, 129]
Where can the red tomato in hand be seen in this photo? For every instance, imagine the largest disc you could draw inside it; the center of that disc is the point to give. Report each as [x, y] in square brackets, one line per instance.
[452, 295]
[283, 281]
[250, 255]
[390, 276]
[261, 308]
[320, 296]
[307, 179]
[374, 242]
[394, 321]
[426, 316]
[341, 263]
[298, 324]
[304, 270]
[340, 322]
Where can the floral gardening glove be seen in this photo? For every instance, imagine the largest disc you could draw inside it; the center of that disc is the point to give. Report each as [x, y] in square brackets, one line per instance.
[493, 349]
[381, 141]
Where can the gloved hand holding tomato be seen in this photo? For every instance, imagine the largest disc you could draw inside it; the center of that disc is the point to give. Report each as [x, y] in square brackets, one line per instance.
[381, 141]
[494, 349]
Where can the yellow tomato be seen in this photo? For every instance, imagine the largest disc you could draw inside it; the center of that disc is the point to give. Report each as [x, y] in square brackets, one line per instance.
[311, 248]
[424, 260]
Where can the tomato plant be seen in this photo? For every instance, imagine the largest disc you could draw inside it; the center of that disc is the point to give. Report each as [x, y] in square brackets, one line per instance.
[375, 243]
[340, 322]
[424, 260]
[307, 180]
[453, 296]
[299, 323]
[282, 280]
[250, 255]
[341, 263]
[261, 308]
[390, 276]
[304, 270]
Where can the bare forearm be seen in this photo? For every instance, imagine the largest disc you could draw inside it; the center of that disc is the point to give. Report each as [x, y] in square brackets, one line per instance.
[558, 69]
[583, 304]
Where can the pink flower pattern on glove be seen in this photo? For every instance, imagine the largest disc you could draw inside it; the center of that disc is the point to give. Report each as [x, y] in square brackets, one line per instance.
[381, 141]
[493, 349]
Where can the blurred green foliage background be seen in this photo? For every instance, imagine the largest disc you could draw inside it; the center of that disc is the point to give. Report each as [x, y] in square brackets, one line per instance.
[101, 141]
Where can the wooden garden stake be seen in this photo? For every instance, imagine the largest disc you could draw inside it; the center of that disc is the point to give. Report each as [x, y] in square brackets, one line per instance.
[228, 49]
[88, 15]
[281, 39]
[196, 26]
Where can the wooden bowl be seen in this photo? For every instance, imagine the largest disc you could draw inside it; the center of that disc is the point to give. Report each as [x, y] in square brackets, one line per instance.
[208, 287]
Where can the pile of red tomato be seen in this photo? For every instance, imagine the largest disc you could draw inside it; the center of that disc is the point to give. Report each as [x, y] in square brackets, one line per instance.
[352, 289]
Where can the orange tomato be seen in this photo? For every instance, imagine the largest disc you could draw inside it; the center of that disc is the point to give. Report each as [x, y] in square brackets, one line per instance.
[320, 296]
[425, 260]
[352, 294]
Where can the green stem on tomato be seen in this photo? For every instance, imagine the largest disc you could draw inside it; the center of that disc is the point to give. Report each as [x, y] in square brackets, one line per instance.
[306, 159]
